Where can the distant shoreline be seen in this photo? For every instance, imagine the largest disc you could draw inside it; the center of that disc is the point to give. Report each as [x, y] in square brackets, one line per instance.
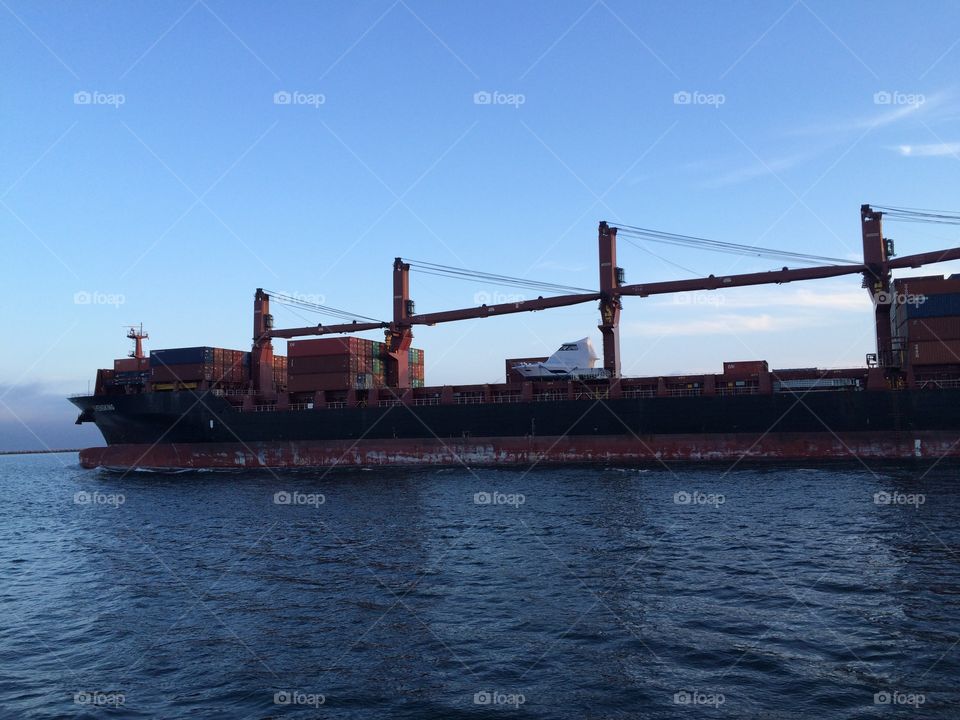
[37, 452]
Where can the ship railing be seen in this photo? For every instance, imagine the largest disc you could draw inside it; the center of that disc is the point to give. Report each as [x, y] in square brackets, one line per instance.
[639, 393]
[941, 384]
[419, 401]
[336, 405]
[301, 406]
[264, 408]
[593, 395]
[394, 403]
[738, 391]
[684, 392]
[507, 398]
[469, 399]
[235, 392]
[550, 396]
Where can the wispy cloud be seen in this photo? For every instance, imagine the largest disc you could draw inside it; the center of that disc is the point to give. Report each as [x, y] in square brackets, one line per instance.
[756, 170]
[929, 150]
[886, 114]
[720, 325]
[838, 300]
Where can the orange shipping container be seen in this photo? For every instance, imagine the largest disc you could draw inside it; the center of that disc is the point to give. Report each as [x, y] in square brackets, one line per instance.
[934, 353]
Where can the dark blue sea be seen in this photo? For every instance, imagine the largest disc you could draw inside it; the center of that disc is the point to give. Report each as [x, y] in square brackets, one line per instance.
[797, 592]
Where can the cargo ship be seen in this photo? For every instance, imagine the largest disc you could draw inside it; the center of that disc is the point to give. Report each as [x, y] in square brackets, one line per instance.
[347, 401]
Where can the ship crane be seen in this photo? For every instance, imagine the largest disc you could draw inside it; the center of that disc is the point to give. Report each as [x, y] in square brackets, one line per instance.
[876, 269]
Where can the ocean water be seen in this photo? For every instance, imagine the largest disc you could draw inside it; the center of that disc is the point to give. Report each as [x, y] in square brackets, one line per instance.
[545, 593]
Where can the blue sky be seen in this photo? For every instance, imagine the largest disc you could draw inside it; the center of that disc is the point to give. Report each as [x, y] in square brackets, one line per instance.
[182, 186]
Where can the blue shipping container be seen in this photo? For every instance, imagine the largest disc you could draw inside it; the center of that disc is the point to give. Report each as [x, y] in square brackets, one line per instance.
[934, 306]
[181, 356]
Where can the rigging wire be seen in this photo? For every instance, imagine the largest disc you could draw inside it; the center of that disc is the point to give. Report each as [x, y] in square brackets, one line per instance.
[294, 302]
[640, 247]
[918, 215]
[448, 271]
[690, 241]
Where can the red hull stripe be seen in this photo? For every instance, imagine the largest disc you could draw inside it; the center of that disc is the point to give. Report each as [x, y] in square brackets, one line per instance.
[504, 451]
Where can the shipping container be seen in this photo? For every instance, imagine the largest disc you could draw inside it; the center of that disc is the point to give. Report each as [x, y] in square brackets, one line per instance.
[745, 368]
[329, 381]
[326, 346]
[130, 364]
[181, 356]
[928, 285]
[325, 364]
[182, 373]
[941, 328]
[934, 353]
[933, 306]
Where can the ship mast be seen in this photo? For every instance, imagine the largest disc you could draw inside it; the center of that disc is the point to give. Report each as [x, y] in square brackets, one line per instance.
[137, 334]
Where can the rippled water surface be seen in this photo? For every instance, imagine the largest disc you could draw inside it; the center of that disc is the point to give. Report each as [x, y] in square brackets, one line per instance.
[577, 593]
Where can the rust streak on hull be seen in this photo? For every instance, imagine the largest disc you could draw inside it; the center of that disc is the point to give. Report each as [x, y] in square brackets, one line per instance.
[505, 451]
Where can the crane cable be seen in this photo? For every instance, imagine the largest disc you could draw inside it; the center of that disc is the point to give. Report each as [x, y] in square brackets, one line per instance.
[294, 302]
[428, 268]
[699, 243]
[918, 215]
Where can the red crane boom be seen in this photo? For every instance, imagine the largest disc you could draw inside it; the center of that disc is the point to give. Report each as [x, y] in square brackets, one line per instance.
[876, 270]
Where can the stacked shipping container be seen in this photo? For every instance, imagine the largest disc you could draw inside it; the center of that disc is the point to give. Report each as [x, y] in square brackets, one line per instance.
[343, 364]
[926, 316]
[197, 364]
[415, 360]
